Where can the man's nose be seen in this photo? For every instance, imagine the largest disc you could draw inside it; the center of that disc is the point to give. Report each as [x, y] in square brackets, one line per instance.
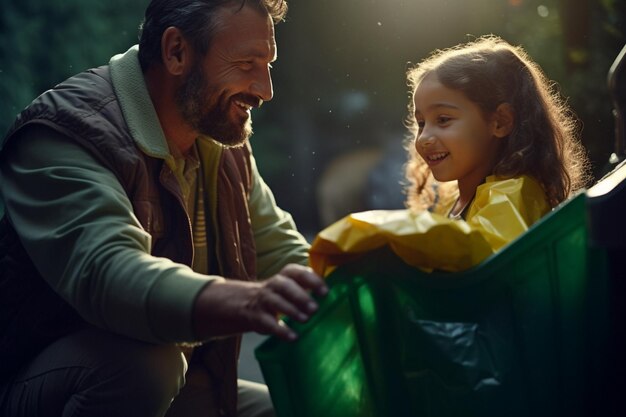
[262, 85]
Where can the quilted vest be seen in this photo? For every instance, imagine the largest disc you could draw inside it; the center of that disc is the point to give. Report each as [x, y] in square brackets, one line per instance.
[85, 109]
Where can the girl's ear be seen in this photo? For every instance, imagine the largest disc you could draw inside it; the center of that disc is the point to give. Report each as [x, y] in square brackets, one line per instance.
[504, 120]
[175, 51]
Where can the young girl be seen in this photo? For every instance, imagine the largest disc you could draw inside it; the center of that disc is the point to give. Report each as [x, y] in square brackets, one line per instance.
[493, 149]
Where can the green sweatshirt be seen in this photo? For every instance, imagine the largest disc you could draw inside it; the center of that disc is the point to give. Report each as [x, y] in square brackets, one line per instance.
[78, 226]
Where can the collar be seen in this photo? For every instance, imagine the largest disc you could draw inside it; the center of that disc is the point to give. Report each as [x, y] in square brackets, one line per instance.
[141, 117]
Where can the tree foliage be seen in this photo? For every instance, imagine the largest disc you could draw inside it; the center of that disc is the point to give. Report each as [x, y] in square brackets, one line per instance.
[44, 42]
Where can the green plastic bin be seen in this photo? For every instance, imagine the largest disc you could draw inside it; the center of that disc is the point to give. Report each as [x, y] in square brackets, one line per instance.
[514, 336]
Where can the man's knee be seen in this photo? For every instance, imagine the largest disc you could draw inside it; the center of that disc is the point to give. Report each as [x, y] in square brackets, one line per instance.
[155, 372]
[133, 379]
[144, 378]
[92, 372]
[254, 400]
[113, 374]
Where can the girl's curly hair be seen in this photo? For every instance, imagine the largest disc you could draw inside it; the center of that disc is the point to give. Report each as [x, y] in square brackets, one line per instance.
[544, 142]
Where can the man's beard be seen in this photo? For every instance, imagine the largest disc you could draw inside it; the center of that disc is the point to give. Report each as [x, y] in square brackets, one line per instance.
[207, 112]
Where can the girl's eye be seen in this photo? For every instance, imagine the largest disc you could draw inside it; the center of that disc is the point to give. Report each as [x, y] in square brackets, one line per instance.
[443, 120]
[420, 125]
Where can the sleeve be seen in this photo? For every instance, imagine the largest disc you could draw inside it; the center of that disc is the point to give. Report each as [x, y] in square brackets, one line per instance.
[78, 227]
[500, 213]
[278, 242]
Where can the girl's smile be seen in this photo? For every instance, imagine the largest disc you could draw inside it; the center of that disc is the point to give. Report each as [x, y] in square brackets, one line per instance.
[435, 158]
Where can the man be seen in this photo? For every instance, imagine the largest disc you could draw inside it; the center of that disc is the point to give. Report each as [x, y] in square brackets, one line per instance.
[136, 224]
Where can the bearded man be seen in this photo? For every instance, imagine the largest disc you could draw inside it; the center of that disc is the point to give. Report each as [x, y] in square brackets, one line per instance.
[136, 225]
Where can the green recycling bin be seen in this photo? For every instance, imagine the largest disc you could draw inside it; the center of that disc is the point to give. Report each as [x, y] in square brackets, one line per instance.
[513, 336]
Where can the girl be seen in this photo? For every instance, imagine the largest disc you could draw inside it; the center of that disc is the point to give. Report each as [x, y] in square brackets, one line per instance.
[493, 149]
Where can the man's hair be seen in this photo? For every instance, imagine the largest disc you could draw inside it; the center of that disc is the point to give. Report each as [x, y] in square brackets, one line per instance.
[195, 18]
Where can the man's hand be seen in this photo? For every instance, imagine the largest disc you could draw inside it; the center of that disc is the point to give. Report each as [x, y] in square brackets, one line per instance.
[229, 306]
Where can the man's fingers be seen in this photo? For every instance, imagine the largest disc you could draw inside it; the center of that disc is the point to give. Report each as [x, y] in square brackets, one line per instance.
[274, 302]
[285, 332]
[292, 292]
[268, 324]
[306, 278]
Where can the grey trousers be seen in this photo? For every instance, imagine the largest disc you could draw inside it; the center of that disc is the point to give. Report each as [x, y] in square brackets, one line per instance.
[96, 373]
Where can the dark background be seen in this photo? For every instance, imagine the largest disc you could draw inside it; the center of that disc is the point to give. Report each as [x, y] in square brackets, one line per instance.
[331, 140]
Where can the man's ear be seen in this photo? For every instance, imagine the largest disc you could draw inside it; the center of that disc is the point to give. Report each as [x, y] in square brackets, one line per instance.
[175, 51]
[504, 120]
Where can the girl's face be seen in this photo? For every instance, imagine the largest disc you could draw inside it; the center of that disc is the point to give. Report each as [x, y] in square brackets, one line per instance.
[455, 138]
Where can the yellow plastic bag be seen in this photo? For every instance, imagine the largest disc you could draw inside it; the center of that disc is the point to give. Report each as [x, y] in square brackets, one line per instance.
[501, 211]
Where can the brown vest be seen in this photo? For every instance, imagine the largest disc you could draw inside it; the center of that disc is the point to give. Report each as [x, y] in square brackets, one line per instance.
[85, 109]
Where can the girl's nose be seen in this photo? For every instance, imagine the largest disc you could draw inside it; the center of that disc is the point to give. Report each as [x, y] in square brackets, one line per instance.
[424, 138]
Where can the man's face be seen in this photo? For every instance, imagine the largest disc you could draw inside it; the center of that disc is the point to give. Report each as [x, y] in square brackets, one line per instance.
[216, 96]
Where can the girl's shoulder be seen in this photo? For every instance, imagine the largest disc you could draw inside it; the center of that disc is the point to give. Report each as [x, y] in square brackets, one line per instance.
[523, 192]
[521, 184]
